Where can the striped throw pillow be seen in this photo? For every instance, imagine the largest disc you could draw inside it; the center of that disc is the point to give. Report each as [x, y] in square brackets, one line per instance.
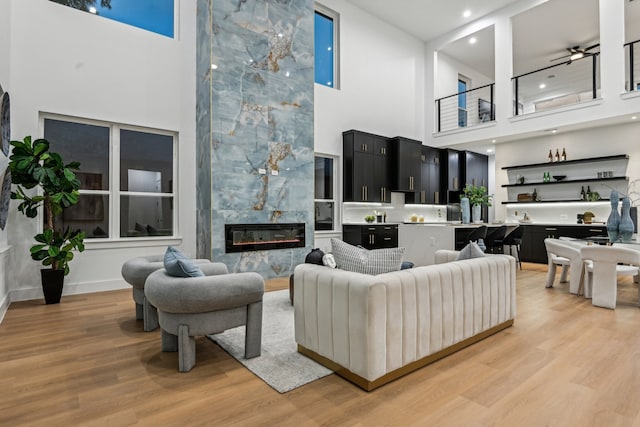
[376, 261]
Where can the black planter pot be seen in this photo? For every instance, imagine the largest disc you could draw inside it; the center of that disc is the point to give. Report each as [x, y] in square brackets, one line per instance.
[52, 282]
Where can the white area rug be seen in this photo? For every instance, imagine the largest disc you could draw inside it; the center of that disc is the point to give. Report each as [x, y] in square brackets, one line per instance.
[279, 365]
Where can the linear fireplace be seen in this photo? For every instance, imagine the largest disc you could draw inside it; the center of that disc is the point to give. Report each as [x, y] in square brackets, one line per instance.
[262, 237]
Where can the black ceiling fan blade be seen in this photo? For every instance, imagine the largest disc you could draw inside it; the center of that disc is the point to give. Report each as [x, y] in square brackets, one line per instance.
[560, 57]
[586, 49]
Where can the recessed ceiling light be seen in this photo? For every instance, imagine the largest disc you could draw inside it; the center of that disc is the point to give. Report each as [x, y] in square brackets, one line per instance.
[473, 40]
[493, 140]
[489, 150]
[633, 117]
[542, 86]
[554, 130]
[466, 13]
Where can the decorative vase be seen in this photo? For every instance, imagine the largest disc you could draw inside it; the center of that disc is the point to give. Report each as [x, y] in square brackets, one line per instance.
[464, 207]
[625, 229]
[52, 283]
[614, 217]
[476, 213]
[481, 245]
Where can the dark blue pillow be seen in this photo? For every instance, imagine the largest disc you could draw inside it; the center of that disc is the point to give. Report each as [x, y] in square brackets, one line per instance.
[179, 265]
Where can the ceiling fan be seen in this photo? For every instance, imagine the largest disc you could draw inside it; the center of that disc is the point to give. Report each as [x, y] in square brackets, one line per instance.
[576, 52]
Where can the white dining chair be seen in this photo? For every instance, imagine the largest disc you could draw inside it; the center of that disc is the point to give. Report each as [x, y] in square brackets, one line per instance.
[603, 265]
[566, 254]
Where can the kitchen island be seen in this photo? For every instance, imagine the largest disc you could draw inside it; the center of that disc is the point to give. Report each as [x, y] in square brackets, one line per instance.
[422, 240]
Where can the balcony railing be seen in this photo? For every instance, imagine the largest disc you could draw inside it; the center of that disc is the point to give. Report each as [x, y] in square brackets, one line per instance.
[632, 59]
[465, 109]
[567, 83]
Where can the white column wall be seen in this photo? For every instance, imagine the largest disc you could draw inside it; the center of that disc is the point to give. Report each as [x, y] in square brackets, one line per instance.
[69, 62]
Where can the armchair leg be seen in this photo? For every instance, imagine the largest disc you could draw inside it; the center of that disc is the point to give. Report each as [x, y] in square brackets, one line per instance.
[186, 349]
[139, 312]
[169, 341]
[253, 331]
[150, 316]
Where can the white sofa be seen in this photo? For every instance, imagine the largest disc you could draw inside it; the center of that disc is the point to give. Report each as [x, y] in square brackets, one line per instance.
[374, 329]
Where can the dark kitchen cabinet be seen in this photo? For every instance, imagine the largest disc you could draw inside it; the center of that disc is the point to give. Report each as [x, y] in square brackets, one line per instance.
[429, 191]
[450, 176]
[475, 168]
[406, 164]
[371, 236]
[533, 249]
[366, 167]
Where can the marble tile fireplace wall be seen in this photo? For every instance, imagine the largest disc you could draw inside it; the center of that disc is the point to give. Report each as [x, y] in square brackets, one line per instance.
[254, 125]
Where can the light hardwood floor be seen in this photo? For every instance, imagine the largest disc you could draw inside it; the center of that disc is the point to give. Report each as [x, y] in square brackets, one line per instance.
[86, 361]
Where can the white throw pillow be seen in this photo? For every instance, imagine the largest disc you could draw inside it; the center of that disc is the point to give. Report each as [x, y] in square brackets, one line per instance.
[472, 250]
[376, 261]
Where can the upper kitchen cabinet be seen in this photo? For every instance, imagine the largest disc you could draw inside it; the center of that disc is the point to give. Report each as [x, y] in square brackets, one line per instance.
[429, 190]
[406, 159]
[450, 175]
[366, 167]
[476, 168]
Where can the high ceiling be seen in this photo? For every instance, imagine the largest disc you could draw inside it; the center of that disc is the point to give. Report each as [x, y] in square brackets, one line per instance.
[539, 34]
[428, 19]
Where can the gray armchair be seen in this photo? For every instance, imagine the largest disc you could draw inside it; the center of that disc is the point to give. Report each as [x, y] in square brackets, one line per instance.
[135, 272]
[196, 306]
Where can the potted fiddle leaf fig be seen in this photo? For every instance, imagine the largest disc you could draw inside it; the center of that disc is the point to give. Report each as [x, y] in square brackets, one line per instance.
[33, 166]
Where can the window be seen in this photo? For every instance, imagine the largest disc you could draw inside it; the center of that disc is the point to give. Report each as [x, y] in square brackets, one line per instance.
[152, 15]
[127, 177]
[326, 46]
[462, 102]
[325, 202]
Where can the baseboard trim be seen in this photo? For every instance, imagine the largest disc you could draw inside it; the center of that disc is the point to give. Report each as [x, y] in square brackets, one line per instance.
[4, 306]
[393, 375]
[26, 294]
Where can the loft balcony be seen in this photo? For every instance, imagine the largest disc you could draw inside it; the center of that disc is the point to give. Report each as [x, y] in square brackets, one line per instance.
[466, 109]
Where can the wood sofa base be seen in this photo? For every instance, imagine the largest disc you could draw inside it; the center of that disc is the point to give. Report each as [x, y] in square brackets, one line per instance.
[370, 385]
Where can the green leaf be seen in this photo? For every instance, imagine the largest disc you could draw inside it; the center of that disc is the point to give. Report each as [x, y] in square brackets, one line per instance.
[37, 248]
[54, 251]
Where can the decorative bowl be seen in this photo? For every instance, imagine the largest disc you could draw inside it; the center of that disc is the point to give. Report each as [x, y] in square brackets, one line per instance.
[559, 177]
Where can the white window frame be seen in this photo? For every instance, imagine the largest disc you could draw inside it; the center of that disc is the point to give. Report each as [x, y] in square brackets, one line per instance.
[335, 16]
[337, 211]
[114, 191]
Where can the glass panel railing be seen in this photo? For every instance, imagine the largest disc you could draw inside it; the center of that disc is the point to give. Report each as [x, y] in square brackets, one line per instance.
[479, 108]
[567, 83]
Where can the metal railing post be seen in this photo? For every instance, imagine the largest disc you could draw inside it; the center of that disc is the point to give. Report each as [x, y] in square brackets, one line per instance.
[439, 117]
[632, 84]
[493, 113]
[515, 90]
[593, 75]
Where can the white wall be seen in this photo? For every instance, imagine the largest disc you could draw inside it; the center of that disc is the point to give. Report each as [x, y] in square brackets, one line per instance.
[596, 142]
[73, 63]
[5, 60]
[613, 102]
[447, 71]
[381, 86]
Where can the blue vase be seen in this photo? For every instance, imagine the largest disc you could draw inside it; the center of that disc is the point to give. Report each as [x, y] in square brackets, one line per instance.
[613, 222]
[625, 229]
[466, 211]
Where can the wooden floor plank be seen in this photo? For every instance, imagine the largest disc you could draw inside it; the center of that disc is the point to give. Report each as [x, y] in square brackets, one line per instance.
[87, 361]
